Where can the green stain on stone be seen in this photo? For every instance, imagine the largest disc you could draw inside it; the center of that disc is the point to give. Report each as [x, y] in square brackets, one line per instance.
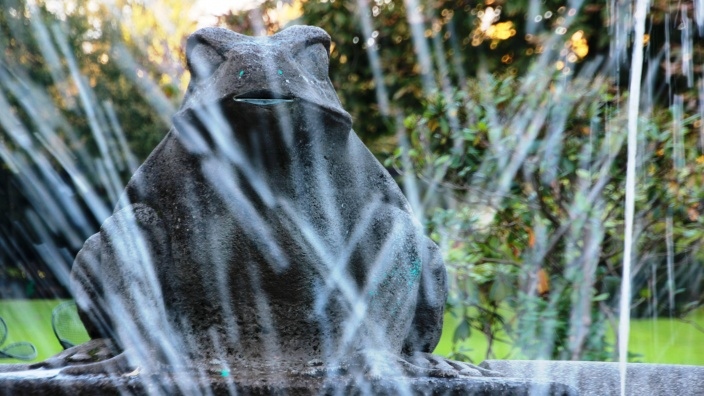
[415, 271]
[241, 73]
[280, 72]
[225, 373]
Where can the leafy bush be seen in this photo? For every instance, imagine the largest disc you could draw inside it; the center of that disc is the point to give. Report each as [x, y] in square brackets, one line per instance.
[525, 179]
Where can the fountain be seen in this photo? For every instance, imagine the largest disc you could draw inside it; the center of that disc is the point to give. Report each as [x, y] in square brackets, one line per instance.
[261, 248]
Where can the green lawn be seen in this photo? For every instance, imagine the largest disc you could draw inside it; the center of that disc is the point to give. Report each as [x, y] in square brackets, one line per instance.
[668, 341]
[475, 347]
[658, 341]
[30, 320]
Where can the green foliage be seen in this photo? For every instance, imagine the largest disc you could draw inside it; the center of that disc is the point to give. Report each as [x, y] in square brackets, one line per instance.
[503, 229]
[529, 206]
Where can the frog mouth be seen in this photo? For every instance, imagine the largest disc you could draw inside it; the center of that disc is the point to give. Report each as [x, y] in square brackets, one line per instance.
[262, 98]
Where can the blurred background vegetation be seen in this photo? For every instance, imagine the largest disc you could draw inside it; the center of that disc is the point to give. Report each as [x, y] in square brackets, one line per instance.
[504, 121]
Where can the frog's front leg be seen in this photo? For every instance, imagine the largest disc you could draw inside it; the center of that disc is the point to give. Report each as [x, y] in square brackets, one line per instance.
[426, 328]
[117, 285]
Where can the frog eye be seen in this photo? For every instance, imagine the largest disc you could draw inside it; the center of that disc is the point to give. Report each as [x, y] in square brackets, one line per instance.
[315, 59]
[203, 60]
[322, 39]
[206, 49]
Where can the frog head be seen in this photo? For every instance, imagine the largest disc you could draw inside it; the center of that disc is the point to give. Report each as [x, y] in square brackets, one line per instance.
[258, 81]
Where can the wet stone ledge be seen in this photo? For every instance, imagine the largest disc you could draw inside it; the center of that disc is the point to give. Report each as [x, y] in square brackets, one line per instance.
[42, 382]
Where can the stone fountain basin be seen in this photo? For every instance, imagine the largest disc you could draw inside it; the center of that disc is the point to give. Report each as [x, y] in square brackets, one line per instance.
[523, 377]
[39, 382]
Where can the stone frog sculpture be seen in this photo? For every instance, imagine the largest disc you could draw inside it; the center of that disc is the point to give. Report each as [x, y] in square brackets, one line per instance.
[262, 232]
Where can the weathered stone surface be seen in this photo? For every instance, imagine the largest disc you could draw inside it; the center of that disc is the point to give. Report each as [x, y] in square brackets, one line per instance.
[177, 384]
[603, 378]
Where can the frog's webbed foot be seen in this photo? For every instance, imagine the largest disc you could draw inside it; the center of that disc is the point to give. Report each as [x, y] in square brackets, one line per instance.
[97, 356]
[379, 365]
[428, 365]
[95, 350]
[317, 368]
[116, 365]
